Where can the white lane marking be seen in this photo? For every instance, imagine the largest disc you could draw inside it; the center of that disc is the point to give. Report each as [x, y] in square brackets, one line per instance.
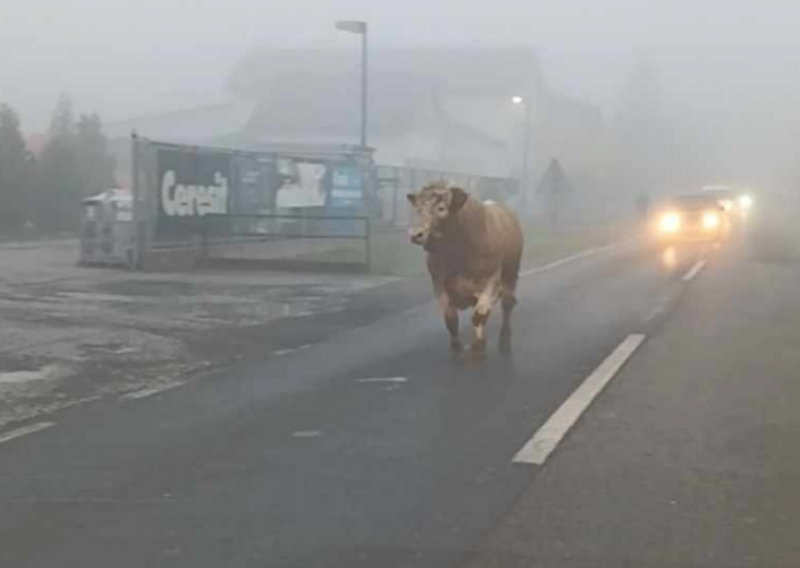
[547, 438]
[384, 380]
[662, 307]
[24, 431]
[306, 434]
[282, 352]
[152, 391]
[694, 270]
[571, 258]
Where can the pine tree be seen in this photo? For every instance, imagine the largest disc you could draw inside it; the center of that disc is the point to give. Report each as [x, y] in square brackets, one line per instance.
[15, 173]
[59, 180]
[95, 163]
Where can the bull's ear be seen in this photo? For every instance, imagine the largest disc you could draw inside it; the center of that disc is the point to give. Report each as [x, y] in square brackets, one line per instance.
[458, 197]
[412, 198]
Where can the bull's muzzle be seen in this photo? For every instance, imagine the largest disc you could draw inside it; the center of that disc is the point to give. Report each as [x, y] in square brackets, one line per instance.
[418, 236]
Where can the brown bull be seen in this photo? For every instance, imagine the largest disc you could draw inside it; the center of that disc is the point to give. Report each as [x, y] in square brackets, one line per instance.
[474, 251]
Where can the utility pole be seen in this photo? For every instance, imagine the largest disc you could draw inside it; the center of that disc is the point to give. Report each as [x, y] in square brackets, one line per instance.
[360, 28]
[526, 149]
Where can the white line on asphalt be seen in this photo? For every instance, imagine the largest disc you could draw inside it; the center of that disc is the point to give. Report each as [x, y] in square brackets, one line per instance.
[571, 258]
[24, 431]
[384, 380]
[662, 307]
[694, 270]
[547, 438]
[152, 391]
[282, 352]
[306, 434]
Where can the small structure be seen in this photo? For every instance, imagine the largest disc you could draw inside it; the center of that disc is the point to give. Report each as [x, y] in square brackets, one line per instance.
[107, 229]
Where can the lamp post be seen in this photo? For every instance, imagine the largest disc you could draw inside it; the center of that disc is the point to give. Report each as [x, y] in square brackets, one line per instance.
[360, 28]
[524, 190]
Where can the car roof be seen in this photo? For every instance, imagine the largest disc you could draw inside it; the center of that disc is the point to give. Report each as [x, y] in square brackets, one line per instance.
[694, 200]
[719, 190]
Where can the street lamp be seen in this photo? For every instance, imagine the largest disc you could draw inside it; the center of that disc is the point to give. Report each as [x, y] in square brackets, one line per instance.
[519, 101]
[360, 28]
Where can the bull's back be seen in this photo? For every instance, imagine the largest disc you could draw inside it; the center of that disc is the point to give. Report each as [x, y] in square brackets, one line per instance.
[490, 238]
[504, 229]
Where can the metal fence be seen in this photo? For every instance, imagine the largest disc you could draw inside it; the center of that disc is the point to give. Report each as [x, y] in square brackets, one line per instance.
[339, 243]
[181, 192]
[396, 182]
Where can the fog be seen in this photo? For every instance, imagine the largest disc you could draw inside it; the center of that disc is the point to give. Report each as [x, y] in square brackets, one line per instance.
[728, 94]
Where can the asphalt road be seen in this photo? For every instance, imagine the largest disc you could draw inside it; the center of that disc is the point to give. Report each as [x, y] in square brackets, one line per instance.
[369, 449]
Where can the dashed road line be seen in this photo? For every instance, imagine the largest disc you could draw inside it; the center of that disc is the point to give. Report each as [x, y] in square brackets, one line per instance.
[395, 380]
[572, 258]
[24, 431]
[661, 307]
[695, 270]
[290, 350]
[307, 434]
[547, 438]
[152, 391]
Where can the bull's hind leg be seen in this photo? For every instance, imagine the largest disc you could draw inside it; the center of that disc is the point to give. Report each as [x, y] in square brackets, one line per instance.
[508, 302]
[509, 277]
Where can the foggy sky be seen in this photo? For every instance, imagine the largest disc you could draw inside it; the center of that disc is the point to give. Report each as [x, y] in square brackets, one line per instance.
[128, 57]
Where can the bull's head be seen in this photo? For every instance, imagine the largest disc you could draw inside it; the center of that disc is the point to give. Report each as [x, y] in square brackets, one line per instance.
[434, 205]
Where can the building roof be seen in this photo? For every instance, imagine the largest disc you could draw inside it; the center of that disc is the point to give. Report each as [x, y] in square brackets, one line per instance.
[478, 71]
[318, 90]
[196, 125]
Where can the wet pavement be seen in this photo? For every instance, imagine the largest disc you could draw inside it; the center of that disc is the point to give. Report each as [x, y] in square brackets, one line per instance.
[70, 334]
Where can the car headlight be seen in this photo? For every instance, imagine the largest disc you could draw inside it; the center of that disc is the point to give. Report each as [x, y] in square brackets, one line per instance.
[710, 220]
[669, 223]
[745, 202]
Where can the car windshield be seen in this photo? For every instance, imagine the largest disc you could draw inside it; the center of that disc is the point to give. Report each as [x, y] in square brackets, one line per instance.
[694, 202]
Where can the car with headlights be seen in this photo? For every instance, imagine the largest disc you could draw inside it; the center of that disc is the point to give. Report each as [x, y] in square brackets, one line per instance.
[693, 218]
[737, 203]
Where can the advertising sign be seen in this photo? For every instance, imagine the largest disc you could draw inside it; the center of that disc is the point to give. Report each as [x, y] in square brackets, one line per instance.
[302, 184]
[190, 185]
[347, 187]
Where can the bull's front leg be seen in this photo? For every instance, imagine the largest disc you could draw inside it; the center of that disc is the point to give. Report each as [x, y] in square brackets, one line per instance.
[483, 308]
[450, 314]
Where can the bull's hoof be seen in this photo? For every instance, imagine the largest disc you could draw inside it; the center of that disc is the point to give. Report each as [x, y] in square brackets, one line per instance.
[505, 344]
[477, 351]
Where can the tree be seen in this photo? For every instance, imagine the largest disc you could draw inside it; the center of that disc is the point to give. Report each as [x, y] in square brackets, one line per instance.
[15, 173]
[59, 182]
[75, 163]
[95, 163]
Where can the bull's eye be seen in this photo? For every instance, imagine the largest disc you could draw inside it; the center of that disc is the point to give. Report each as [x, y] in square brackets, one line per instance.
[441, 210]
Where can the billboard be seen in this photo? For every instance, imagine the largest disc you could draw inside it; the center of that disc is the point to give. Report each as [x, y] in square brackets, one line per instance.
[191, 185]
[302, 183]
[253, 189]
[347, 187]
